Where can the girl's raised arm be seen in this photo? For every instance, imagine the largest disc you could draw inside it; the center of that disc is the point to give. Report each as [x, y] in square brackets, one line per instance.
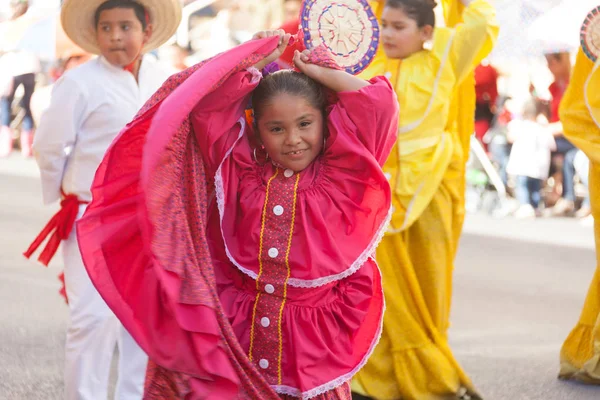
[336, 80]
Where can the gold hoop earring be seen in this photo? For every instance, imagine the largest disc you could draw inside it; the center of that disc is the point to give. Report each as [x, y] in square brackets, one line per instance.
[255, 156]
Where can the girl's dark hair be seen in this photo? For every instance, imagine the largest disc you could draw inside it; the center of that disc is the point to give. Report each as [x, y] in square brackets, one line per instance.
[288, 82]
[419, 10]
[138, 9]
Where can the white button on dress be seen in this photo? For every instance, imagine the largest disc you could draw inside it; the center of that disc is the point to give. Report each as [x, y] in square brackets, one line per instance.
[264, 364]
[273, 252]
[278, 210]
[270, 289]
[265, 322]
[288, 173]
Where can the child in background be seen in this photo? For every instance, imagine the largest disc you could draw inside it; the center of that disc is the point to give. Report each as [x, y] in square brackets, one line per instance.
[530, 157]
[90, 104]
[429, 68]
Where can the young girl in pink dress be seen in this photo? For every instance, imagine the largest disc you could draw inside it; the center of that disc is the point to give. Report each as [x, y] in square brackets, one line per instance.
[238, 251]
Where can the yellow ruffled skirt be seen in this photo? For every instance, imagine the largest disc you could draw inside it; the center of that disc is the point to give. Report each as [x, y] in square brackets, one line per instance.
[580, 354]
[413, 360]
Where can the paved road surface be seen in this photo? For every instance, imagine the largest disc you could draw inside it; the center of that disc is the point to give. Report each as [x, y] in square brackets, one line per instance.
[519, 286]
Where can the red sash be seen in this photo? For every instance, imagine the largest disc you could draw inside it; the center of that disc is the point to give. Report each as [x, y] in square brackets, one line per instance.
[59, 226]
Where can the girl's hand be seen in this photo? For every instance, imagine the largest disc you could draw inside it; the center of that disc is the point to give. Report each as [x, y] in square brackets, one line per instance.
[284, 39]
[301, 60]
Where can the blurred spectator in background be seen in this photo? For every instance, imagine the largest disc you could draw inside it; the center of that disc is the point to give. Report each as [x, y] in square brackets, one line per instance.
[250, 16]
[496, 138]
[486, 90]
[559, 65]
[530, 157]
[291, 10]
[581, 166]
[210, 32]
[20, 69]
[173, 57]
[40, 100]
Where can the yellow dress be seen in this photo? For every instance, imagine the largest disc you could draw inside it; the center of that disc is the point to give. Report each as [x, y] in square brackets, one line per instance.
[580, 116]
[426, 171]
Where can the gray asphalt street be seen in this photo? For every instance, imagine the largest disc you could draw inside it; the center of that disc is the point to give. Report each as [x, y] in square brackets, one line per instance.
[519, 287]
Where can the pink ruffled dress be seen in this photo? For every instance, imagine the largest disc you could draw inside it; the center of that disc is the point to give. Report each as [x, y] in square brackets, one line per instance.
[241, 279]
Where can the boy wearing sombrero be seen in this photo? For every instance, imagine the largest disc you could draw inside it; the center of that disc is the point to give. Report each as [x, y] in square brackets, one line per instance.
[90, 105]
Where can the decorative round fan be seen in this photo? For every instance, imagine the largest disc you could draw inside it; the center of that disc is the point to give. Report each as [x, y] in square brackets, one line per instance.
[590, 34]
[347, 28]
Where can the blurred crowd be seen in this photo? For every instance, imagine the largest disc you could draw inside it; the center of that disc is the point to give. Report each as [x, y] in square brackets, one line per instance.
[540, 169]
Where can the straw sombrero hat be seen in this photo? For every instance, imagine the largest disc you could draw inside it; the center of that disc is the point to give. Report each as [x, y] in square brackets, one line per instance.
[590, 34]
[77, 18]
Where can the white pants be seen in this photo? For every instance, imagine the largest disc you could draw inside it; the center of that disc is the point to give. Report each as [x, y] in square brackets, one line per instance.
[93, 333]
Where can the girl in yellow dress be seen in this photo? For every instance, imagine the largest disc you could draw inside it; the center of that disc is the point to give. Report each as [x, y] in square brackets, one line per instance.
[580, 116]
[431, 71]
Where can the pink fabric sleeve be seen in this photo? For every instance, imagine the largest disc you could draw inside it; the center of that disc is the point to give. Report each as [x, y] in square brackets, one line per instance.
[214, 119]
[371, 113]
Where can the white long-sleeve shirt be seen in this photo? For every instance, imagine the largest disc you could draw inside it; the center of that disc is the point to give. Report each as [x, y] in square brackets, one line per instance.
[90, 105]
